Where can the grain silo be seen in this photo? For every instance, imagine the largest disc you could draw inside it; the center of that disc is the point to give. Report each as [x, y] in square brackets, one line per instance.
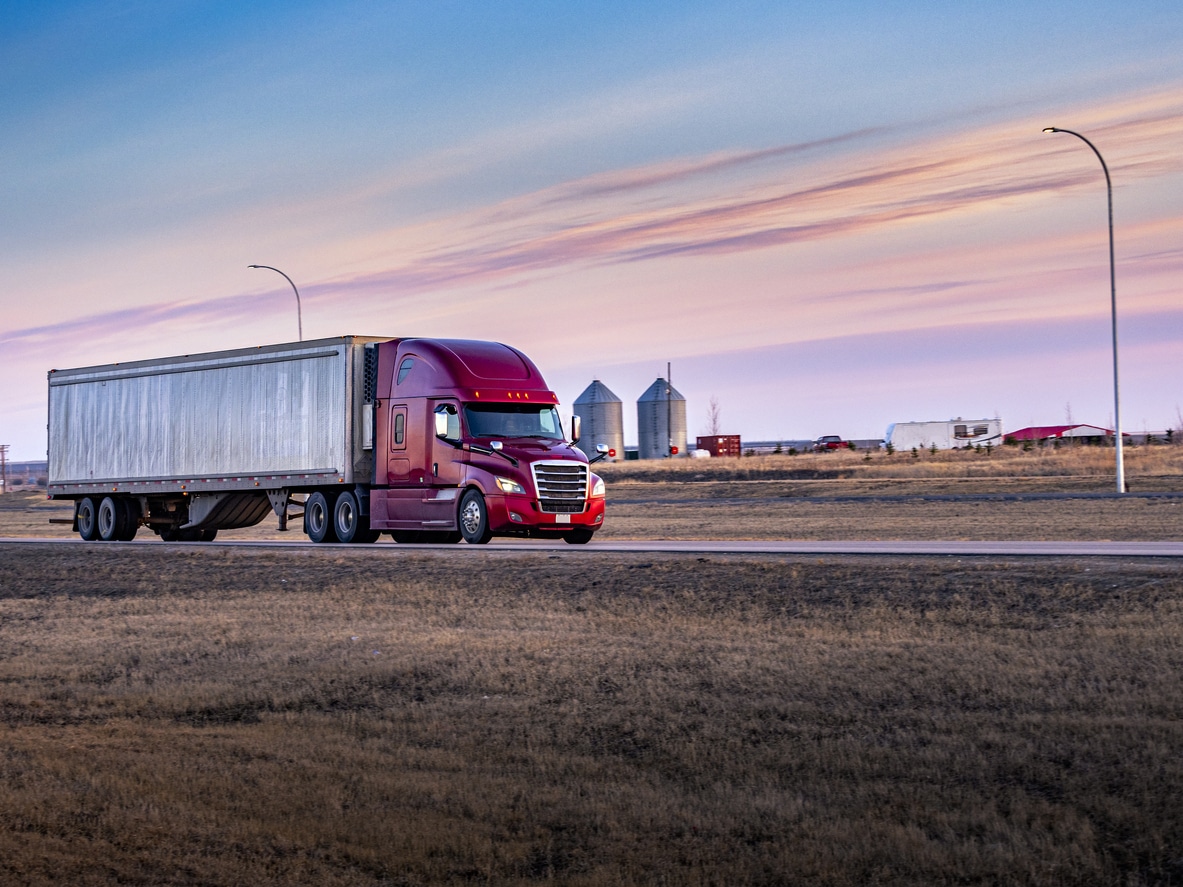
[661, 421]
[602, 415]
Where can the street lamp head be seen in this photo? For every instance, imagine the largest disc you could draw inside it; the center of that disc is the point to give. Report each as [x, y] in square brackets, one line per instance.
[299, 312]
[1045, 129]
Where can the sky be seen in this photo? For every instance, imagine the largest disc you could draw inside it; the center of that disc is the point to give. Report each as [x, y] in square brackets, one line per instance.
[827, 217]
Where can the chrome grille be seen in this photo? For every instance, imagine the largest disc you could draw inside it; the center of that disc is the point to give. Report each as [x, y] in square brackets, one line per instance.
[562, 486]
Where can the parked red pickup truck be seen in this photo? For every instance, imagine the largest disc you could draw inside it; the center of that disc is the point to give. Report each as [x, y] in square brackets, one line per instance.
[829, 442]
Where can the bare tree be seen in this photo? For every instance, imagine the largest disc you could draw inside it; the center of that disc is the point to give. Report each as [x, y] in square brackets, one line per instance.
[714, 417]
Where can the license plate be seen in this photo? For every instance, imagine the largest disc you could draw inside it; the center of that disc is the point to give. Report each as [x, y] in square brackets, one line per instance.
[562, 518]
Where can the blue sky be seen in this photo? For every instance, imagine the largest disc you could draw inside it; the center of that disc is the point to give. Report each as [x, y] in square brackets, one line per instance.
[828, 216]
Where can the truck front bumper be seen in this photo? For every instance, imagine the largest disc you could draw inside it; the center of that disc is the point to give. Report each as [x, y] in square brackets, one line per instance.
[515, 514]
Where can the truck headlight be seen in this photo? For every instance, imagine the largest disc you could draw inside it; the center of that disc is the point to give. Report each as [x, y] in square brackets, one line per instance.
[510, 486]
[597, 487]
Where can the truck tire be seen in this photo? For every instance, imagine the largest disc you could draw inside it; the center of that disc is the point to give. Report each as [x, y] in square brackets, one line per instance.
[88, 519]
[318, 518]
[112, 519]
[578, 537]
[131, 519]
[474, 518]
[349, 524]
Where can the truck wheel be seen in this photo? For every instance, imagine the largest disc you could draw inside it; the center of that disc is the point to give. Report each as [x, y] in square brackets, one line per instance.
[111, 519]
[474, 518]
[318, 518]
[578, 537]
[209, 535]
[88, 520]
[131, 519]
[348, 522]
[405, 537]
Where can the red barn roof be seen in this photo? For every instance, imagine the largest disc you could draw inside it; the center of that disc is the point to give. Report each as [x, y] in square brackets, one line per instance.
[1045, 432]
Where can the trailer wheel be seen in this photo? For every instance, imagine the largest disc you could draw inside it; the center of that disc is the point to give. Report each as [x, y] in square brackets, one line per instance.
[578, 537]
[474, 518]
[111, 519]
[405, 537]
[130, 519]
[318, 518]
[349, 524]
[209, 535]
[88, 519]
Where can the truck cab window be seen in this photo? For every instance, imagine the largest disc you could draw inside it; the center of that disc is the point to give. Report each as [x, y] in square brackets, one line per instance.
[495, 420]
[403, 369]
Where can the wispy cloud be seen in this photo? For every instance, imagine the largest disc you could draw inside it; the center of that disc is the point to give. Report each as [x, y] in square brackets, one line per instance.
[726, 204]
[769, 199]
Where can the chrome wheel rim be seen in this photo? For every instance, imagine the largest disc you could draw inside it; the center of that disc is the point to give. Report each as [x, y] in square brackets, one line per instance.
[470, 517]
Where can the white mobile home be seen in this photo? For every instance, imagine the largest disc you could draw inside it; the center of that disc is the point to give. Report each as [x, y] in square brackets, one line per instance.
[949, 435]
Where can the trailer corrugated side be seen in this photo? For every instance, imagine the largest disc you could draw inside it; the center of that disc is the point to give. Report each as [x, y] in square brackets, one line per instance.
[290, 415]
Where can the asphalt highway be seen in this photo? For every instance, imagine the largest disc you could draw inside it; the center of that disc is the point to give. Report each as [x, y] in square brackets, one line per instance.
[700, 547]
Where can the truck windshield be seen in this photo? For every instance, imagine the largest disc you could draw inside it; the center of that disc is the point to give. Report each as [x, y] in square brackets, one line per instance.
[495, 420]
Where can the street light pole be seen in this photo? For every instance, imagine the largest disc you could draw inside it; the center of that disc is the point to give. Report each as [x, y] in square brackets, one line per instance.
[1113, 308]
[299, 313]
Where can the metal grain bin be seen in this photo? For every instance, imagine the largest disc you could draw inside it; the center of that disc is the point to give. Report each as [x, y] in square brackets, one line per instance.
[602, 415]
[661, 421]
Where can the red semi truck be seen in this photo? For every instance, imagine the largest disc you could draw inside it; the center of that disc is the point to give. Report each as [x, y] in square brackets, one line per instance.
[429, 440]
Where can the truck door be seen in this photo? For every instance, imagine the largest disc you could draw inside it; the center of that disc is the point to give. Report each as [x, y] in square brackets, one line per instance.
[445, 471]
[401, 506]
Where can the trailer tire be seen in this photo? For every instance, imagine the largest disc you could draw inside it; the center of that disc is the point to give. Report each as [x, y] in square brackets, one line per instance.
[318, 518]
[88, 519]
[131, 519]
[209, 534]
[349, 524]
[473, 518]
[112, 519]
[578, 537]
[405, 537]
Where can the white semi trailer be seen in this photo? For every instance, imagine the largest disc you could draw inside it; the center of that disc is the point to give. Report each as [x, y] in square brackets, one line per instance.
[954, 433]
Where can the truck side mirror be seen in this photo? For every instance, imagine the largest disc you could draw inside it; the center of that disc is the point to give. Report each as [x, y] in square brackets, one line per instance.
[447, 423]
[602, 452]
[576, 429]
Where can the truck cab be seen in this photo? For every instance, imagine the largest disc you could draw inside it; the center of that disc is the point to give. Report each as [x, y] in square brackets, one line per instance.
[468, 444]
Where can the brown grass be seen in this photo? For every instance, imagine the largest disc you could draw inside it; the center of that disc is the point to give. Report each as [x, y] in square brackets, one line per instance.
[1145, 466]
[373, 716]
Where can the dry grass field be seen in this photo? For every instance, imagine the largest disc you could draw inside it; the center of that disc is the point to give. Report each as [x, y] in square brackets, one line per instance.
[201, 716]
[198, 715]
